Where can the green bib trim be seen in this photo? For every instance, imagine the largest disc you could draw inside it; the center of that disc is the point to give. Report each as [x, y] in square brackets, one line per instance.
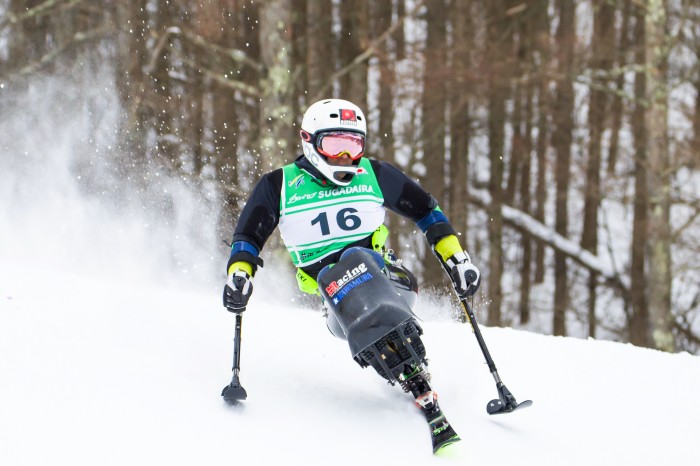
[316, 221]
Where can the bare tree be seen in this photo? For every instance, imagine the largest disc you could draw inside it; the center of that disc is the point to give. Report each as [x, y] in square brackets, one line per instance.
[497, 91]
[225, 30]
[320, 62]
[617, 105]
[562, 141]
[659, 176]
[459, 121]
[132, 59]
[433, 109]
[639, 312]
[276, 131]
[299, 47]
[354, 39]
[541, 62]
[382, 15]
[601, 62]
[528, 37]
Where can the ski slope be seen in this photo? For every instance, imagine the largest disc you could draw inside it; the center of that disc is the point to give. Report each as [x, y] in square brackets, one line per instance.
[102, 372]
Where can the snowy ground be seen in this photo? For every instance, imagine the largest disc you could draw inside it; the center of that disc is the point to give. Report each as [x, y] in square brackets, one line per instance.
[99, 372]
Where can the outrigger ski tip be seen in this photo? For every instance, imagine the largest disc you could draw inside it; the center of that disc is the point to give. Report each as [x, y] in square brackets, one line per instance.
[505, 403]
[497, 407]
[234, 392]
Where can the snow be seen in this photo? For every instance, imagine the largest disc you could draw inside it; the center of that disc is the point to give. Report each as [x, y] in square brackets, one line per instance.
[113, 352]
[101, 372]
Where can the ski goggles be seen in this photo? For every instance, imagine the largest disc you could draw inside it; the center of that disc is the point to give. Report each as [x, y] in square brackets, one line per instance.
[334, 144]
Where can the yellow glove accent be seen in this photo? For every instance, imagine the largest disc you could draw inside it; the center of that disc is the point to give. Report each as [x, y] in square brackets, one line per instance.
[241, 265]
[379, 238]
[306, 283]
[448, 247]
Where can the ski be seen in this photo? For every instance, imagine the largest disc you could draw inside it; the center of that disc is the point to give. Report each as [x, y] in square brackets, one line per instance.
[442, 433]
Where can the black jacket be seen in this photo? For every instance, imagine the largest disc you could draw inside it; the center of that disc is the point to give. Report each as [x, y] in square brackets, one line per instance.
[402, 195]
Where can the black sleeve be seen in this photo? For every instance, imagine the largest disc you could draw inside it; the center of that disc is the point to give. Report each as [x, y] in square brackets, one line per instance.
[401, 194]
[261, 213]
[406, 197]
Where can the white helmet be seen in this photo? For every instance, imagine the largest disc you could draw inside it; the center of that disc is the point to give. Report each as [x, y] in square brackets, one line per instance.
[340, 123]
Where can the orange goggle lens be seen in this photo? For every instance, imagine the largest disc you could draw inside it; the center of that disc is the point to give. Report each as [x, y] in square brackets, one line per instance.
[335, 144]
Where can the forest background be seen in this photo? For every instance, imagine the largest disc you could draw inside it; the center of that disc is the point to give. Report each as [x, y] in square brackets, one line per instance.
[560, 137]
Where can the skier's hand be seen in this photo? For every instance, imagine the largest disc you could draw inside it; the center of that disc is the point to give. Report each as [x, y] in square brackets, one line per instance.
[237, 291]
[466, 278]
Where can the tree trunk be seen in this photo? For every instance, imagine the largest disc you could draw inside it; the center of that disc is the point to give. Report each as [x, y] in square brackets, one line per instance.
[385, 106]
[601, 63]
[561, 141]
[460, 121]
[129, 74]
[433, 104]
[251, 116]
[695, 147]
[29, 38]
[542, 57]
[659, 178]
[319, 53]
[276, 132]
[399, 34]
[160, 91]
[354, 39]
[299, 55]
[517, 142]
[225, 122]
[529, 33]
[639, 315]
[617, 106]
[497, 92]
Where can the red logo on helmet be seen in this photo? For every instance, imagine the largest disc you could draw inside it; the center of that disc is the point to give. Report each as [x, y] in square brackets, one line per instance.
[348, 116]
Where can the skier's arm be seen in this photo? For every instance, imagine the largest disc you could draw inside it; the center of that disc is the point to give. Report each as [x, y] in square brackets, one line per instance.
[257, 221]
[407, 198]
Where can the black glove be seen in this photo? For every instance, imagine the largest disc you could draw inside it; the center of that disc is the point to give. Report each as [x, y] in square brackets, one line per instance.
[465, 276]
[237, 291]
